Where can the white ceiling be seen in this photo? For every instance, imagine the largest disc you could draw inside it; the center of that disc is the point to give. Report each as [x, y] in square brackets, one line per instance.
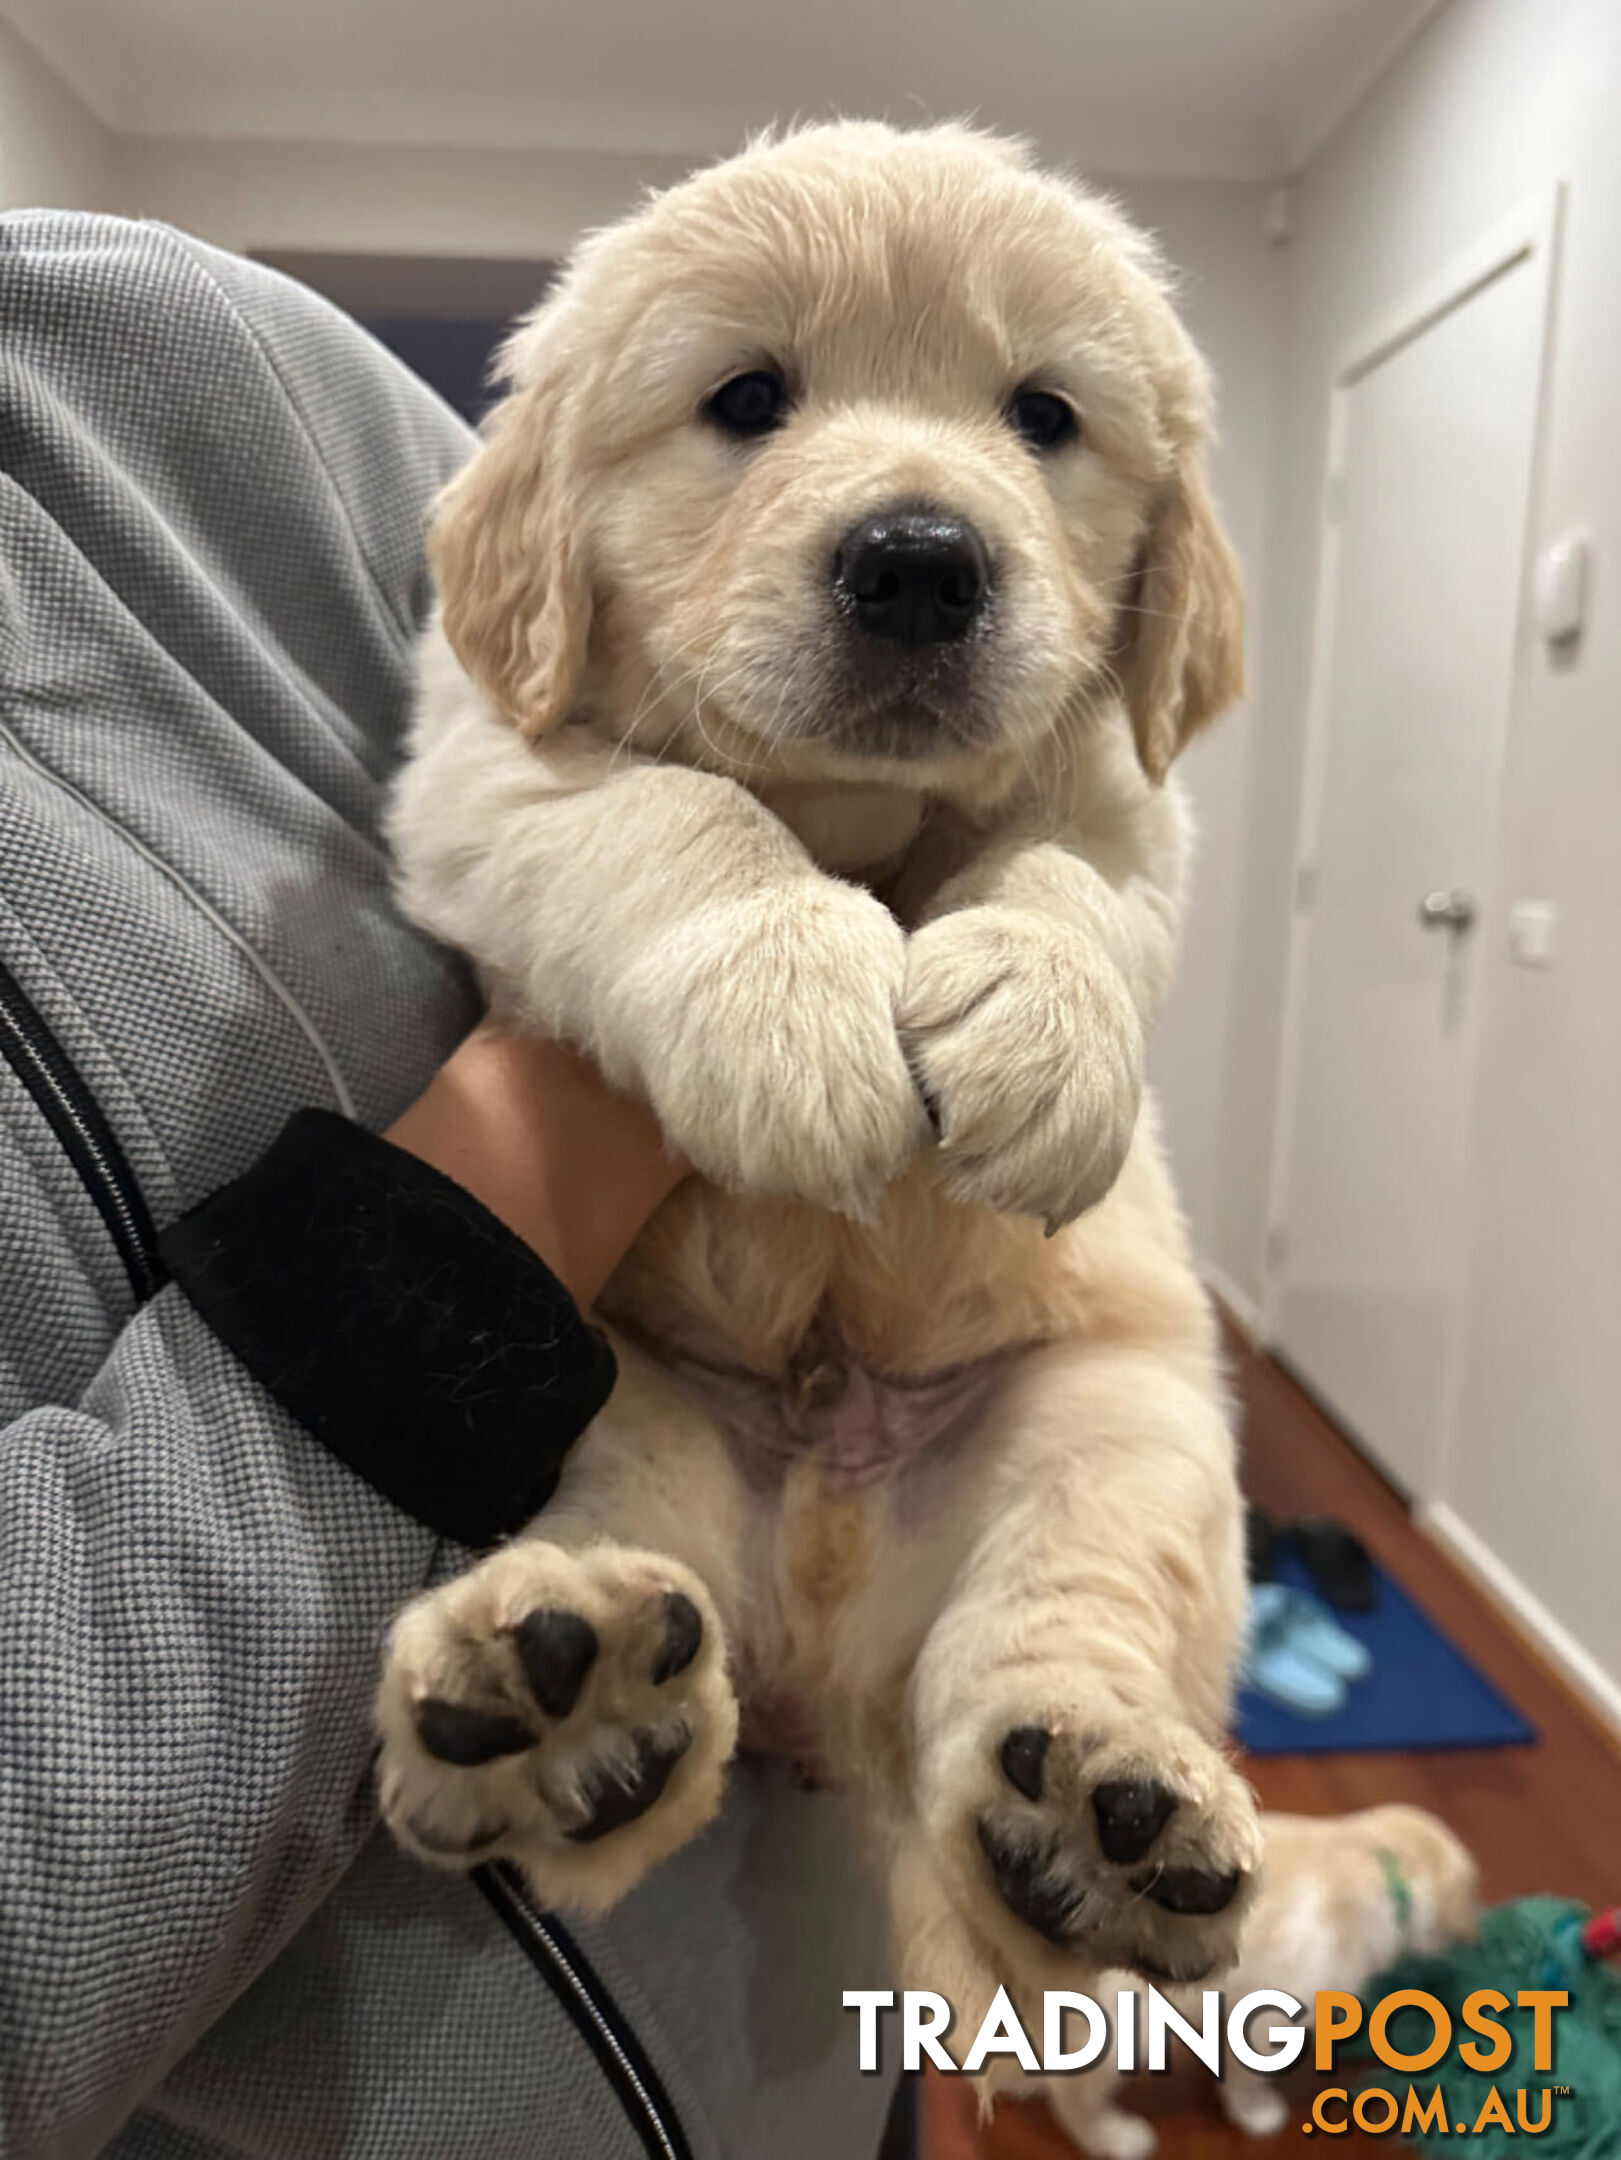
[1220, 89]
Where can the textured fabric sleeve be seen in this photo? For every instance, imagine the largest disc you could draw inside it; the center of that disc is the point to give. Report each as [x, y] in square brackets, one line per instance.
[193, 1595]
[399, 1321]
[211, 496]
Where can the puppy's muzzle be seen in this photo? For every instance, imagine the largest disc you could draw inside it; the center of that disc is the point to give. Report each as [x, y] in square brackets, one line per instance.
[913, 577]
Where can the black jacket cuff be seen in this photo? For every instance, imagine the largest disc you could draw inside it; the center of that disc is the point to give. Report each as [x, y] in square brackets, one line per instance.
[406, 1329]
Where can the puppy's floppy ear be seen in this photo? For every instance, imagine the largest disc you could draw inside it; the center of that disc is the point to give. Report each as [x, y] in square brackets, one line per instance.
[1180, 657]
[507, 548]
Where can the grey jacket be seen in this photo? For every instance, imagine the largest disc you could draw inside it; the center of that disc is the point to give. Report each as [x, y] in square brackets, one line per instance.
[211, 494]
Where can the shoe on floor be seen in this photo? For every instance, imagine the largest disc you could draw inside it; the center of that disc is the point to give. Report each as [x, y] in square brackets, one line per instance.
[1338, 1563]
[1296, 1653]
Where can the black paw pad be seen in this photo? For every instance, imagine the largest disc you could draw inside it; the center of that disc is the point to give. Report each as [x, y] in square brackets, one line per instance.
[1031, 1884]
[1190, 1889]
[1024, 1758]
[556, 1650]
[457, 1848]
[683, 1633]
[616, 1792]
[1131, 1813]
[453, 1733]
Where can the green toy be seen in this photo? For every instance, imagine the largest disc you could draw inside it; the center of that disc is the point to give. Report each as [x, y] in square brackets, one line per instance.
[1533, 1943]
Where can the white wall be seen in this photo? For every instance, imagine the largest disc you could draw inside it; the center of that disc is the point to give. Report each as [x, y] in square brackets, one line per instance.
[1495, 100]
[361, 197]
[53, 152]
[1232, 298]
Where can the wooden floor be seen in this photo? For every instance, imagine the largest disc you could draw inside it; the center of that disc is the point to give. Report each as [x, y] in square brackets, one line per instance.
[1539, 1818]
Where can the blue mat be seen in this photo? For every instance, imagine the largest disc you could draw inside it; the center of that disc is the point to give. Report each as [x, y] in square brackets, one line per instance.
[1421, 1693]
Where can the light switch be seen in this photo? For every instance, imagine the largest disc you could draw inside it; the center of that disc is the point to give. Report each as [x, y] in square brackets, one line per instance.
[1532, 926]
[1561, 588]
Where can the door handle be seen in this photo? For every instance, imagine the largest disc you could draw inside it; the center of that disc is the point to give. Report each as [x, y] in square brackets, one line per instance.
[1451, 909]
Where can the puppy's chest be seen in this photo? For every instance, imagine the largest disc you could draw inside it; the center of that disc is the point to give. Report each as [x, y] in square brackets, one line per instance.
[854, 829]
[858, 1341]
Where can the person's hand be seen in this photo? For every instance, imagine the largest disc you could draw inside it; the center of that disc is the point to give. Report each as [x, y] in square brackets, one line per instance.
[534, 1132]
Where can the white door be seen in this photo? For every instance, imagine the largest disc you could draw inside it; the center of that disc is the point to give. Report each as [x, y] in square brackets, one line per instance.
[1425, 534]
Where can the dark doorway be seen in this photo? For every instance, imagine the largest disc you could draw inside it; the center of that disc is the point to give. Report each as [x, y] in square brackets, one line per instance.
[443, 315]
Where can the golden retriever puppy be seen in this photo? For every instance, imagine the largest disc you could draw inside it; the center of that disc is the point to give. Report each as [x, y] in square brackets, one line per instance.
[1341, 1897]
[818, 621]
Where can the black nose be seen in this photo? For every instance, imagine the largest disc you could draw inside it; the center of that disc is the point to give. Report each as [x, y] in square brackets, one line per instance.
[917, 576]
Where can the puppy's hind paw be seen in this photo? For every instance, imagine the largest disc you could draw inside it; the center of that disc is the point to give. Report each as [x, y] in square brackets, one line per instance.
[1116, 1840]
[567, 1711]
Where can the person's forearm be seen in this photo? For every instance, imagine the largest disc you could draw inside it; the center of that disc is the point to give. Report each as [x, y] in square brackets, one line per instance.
[531, 1130]
[173, 1852]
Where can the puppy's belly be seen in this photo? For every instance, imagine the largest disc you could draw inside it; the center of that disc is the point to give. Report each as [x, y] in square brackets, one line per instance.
[848, 1423]
[848, 1468]
[838, 1454]
[822, 1676]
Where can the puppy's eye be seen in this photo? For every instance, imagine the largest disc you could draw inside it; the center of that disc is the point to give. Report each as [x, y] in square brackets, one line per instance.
[1046, 422]
[751, 404]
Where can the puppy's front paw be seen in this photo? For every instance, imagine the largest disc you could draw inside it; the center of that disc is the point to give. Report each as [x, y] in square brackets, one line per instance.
[1116, 1839]
[1029, 1050]
[775, 1065]
[1101, 2132]
[569, 1711]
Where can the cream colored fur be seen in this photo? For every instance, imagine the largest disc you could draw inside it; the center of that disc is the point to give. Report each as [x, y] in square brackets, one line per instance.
[1324, 1919]
[625, 801]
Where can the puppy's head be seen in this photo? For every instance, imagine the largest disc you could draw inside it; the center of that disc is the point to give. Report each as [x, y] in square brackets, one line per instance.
[1439, 1871]
[865, 453]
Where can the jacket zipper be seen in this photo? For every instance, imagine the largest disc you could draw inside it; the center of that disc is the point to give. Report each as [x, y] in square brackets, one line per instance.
[73, 1114]
[563, 1965]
